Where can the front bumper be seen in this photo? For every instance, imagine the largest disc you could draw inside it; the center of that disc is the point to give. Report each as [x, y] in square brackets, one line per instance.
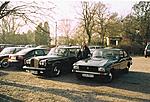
[34, 68]
[93, 73]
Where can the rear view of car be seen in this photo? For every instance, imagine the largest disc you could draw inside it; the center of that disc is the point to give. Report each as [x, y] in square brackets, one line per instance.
[4, 55]
[147, 51]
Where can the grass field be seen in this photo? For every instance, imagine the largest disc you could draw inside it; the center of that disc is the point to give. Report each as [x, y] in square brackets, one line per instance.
[18, 86]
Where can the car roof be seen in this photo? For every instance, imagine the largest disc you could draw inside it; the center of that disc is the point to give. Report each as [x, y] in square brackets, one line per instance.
[117, 49]
[26, 50]
[69, 47]
[14, 47]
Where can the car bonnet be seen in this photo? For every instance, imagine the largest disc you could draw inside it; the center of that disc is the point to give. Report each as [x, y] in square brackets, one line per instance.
[92, 62]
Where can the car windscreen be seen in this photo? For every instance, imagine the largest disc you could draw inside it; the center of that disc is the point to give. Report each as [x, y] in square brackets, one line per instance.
[24, 51]
[110, 54]
[148, 47]
[58, 51]
[7, 50]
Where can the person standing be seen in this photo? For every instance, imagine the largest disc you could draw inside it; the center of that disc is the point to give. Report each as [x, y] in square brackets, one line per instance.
[85, 50]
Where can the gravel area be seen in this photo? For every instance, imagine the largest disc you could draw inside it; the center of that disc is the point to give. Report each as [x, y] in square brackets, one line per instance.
[19, 86]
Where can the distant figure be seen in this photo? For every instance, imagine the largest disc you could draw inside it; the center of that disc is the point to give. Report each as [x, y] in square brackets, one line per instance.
[79, 55]
[84, 52]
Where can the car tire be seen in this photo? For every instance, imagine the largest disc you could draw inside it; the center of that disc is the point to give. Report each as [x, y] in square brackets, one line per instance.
[126, 70]
[5, 63]
[108, 78]
[56, 70]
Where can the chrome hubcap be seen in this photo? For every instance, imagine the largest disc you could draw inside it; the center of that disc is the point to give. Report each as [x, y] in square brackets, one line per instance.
[56, 70]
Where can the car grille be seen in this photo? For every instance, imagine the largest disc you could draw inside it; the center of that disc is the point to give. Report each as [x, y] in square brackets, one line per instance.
[88, 68]
[34, 63]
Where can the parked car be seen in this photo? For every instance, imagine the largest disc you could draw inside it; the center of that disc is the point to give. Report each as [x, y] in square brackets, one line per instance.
[2, 46]
[147, 51]
[30, 45]
[17, 60]
[4, 55]
[59, 60]
[94, 47]
[103, 64]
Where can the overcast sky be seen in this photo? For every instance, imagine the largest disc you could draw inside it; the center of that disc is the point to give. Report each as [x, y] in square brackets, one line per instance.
[69, 8]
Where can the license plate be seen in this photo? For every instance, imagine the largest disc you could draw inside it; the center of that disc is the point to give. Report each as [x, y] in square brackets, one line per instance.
[34, 72]
[88, 75]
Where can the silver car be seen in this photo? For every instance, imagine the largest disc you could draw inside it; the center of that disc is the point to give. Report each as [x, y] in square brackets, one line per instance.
[147, 50]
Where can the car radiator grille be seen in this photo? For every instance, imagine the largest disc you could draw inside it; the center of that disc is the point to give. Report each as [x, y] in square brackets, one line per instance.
[34, 63]
[88, 68]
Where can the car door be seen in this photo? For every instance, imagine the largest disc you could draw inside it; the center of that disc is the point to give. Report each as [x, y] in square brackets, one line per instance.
[29, 55]
[126, 57]
[122, 60]
[70, 59]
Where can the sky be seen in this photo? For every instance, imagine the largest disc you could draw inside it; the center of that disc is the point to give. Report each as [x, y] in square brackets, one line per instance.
[69, 8]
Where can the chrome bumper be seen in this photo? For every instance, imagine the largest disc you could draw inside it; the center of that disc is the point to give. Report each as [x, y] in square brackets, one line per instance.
[33, 68]
[85, 72]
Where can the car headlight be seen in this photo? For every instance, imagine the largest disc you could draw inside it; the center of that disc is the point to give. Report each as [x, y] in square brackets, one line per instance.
[42, 62]
[101, 69]
[75, 67]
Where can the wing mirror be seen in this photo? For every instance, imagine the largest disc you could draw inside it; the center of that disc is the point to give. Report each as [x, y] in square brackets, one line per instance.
[89, 55]
[118, 57]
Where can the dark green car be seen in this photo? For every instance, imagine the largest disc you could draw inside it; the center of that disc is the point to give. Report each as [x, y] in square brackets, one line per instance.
[103, 64]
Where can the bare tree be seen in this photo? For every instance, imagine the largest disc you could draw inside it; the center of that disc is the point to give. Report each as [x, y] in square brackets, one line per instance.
[87, 18]
[142, 13]
[15, 14]
[66, 27]
[30, 12]
[3, 9]
[101, 19]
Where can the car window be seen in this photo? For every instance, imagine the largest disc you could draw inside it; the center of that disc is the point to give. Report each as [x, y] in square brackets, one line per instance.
[125, 54]
[30, 54]
[148, 46]
[39, 52]
[111, 54]
[17, 50]
[73, 52]
[7, 50]
[58, 51]
[121, 53]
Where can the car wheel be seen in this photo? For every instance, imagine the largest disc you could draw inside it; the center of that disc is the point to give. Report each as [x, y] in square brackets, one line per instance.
[56, 71]
[126, 70]
[109, 78]
[5, 63]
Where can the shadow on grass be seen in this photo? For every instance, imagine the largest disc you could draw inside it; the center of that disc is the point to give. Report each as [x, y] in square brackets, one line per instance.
[133, 81]
[5, 98]
[3, 73]
[15, 69]
[72, 95]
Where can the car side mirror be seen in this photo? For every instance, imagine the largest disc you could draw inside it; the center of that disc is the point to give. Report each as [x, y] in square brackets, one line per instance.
[118, 58]
[89, 55]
